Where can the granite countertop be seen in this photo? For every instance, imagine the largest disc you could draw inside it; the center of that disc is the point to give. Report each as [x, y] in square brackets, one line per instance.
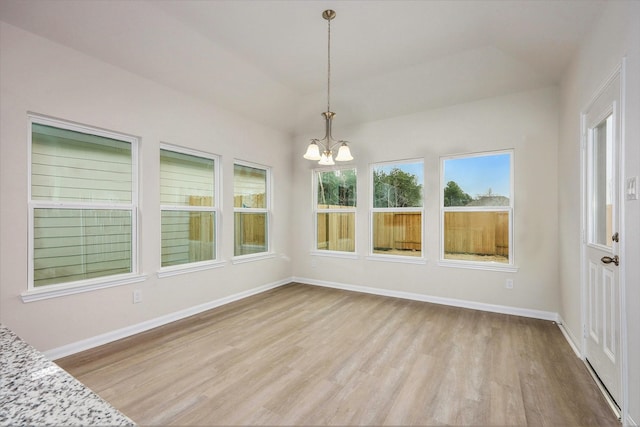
[35, 391]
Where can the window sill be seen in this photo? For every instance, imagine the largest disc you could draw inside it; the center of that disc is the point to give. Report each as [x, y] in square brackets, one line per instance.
[397, 258]
[335, 254]
[189, 268]
[487, 266]
[54, 291]
[250, 258]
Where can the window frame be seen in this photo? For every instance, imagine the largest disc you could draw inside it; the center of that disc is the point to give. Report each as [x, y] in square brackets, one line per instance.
[422, 259]
[316, 211]
[479, 265]
[34, 293]
[239, 259]
[216, 209]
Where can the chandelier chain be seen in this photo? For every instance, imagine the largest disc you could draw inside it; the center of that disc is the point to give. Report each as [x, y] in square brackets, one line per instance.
[329, 66]
[322, 149]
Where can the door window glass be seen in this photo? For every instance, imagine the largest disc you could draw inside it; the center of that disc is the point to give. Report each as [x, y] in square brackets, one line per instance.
[602, 183]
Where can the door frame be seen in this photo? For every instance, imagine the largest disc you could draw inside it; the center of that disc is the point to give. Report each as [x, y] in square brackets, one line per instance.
[618, 72]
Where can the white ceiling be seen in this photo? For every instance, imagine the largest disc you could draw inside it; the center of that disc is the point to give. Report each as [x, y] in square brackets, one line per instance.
[268, 60]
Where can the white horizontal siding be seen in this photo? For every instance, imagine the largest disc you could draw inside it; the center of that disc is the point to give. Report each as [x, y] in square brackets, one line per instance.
[74, 244]
[183, 177]
[76, 249]
[71, 166]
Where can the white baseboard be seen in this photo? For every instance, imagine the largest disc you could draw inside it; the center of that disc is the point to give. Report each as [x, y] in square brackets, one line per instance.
[571, 339]
[503, 309]
[108, 337]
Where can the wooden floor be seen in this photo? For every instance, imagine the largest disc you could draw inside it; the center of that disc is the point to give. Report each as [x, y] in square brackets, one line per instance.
[303, 355]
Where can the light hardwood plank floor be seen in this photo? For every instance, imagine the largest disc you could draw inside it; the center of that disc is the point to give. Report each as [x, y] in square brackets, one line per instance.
[304, 355]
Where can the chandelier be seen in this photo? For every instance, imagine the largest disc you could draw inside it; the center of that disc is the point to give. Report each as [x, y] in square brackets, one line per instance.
[322, 149]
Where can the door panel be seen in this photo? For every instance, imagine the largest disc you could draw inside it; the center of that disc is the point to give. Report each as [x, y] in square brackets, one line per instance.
[601, 127]
[594, 314]
[610, 325]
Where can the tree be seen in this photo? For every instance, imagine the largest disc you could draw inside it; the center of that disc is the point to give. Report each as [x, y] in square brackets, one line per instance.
[337, 188]
[396, 189]
[455, 196]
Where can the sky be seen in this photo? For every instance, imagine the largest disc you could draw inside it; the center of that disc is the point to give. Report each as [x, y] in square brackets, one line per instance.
[475, 175]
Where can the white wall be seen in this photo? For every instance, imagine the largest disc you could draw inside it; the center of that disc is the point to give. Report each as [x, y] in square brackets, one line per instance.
[616, 34]
[39, 76]
[526, 122]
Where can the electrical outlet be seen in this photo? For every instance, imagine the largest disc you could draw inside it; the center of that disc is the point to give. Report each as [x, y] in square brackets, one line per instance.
[509, 284]
[137, 296]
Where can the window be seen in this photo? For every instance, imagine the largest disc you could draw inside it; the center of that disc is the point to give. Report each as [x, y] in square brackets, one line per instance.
[251, 205]
[477, 209]
[83, 205]
[397, 209]
[335, 210]
[189, 206]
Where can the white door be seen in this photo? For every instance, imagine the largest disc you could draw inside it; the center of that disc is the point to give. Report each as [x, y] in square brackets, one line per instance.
[601, 130]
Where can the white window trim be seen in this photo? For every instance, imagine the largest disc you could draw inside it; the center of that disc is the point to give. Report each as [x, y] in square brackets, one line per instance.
[316, 211]
[371, 256]
[52, 291]
[335, 254]
[176, 270]
[217, 262]
[405, 259]
[480, 265]
[240, 259]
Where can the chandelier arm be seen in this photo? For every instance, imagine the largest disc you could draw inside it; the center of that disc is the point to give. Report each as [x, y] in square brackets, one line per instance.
[335, 144]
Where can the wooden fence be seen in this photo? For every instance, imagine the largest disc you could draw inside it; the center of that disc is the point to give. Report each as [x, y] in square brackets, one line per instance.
[397, 231]
[478, 233]
[250, 233]
[250, 227]
[201, 230]
[337, 231]
[257, 200]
